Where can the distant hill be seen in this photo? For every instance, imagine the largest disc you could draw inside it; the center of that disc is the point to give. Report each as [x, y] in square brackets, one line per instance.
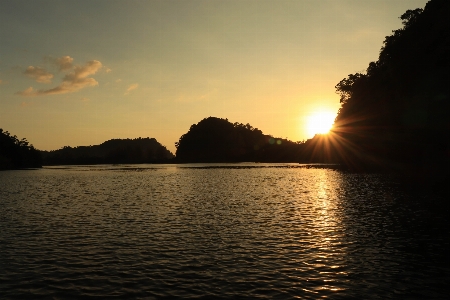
[16, 154]
[218, 140]
[116, 151]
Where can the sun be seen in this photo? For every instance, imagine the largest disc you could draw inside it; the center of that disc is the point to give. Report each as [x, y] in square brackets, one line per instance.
[320, 122]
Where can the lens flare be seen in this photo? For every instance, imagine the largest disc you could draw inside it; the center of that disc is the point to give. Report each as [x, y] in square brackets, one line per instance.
[320, 122]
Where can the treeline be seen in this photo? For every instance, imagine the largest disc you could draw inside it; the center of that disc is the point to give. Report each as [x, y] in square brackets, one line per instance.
[398, 111]
[218, 140]
[17, 154]
[115, 151]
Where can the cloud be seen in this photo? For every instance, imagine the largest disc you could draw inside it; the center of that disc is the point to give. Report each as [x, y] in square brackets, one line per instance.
[72, 82]
[107, 70]
[118, 80]
[64, 63]
[39, 74]
[131, 87]
[28, 92]
[90, 68]
[84, 99]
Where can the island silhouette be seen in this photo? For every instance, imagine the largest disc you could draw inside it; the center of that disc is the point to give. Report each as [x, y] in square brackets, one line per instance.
[394, 115]
[115, 151]
[218, 140]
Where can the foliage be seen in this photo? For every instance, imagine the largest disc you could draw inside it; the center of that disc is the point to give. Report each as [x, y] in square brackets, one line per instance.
[398, 110]
[218, 140]
[16, 154]
[115, 151]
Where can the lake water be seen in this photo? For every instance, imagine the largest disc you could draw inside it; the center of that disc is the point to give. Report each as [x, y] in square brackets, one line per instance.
[221, 231]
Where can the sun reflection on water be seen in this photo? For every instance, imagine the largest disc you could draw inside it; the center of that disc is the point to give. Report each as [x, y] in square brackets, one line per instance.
[327, 252]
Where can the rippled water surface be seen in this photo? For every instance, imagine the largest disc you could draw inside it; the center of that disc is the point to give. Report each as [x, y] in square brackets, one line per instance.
[220, 231]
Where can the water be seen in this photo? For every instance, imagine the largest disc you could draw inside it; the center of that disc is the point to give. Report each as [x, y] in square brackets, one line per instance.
[220, 231]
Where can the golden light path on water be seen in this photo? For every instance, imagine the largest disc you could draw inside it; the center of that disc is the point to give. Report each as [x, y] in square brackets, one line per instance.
[327, 233]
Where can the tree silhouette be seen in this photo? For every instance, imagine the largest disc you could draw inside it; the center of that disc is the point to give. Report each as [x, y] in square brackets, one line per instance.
[218, 140]
[116, 151]
[16, 154]
[398, 110]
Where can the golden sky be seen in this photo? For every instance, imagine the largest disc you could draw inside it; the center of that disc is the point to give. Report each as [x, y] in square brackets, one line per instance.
[76, 73]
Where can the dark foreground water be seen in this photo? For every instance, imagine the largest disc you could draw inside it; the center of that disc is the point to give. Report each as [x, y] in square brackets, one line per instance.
[233, 231]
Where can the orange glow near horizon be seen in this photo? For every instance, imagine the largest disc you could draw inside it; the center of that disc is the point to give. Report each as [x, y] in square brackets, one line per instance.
[320, 122]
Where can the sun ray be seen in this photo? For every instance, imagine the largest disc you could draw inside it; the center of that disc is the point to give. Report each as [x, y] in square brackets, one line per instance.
[320, 122]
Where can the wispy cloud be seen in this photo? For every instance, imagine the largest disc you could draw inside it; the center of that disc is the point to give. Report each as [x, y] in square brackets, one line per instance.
[28, 92]
[72, 82]
[131, 87]
[64, 63]
[39, 74]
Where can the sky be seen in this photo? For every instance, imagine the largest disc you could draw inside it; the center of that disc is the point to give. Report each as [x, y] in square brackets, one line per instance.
[78, 73]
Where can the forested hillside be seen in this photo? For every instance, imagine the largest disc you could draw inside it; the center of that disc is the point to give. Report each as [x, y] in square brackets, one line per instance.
[116, 151]
[218, 140]
[398, 111]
